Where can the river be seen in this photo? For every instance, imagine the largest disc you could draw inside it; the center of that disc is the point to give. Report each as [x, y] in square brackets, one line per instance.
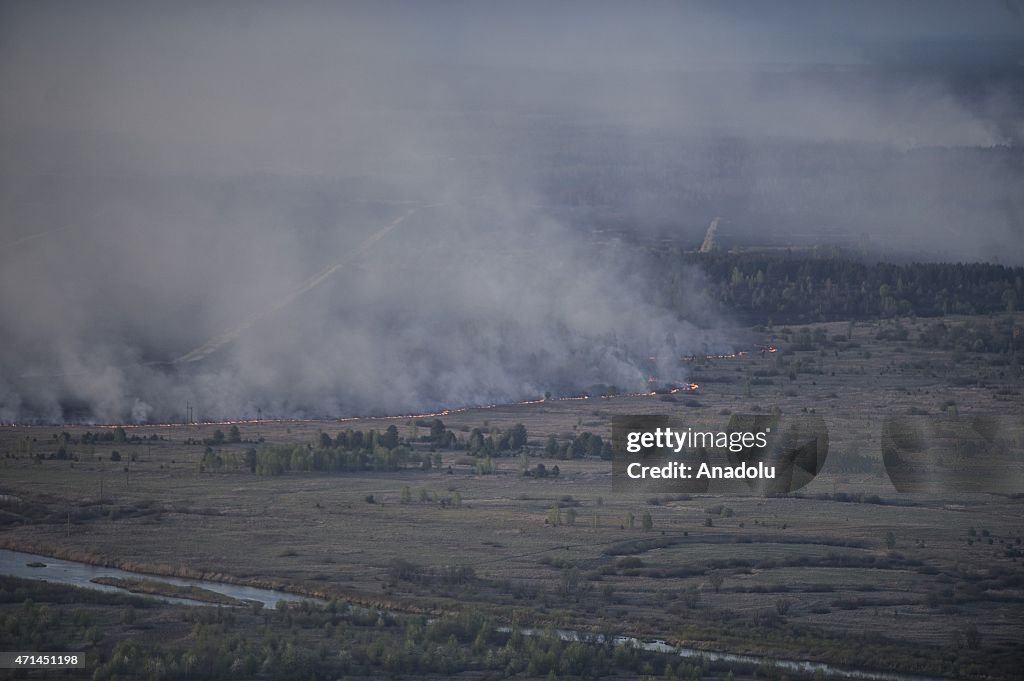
[15, 564]
[803, 666]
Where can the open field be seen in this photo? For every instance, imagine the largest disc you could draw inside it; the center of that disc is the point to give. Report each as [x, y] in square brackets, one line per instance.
[846, 571]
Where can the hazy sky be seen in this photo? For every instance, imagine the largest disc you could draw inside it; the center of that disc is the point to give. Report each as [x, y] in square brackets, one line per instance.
[170, 171]
[248, 86]
[626, 35]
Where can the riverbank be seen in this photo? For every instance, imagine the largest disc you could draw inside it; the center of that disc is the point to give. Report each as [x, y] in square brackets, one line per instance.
[112, 579]
[179, 593]
[154, 587]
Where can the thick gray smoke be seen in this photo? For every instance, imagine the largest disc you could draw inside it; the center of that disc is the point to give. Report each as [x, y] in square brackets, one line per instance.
[386, 207]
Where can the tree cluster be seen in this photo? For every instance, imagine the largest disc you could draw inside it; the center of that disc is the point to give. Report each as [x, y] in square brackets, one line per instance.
[586, 444]
[503, 443]
[803, 287]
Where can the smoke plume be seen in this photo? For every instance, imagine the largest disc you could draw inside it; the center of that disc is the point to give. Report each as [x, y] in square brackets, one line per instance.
[375, 207]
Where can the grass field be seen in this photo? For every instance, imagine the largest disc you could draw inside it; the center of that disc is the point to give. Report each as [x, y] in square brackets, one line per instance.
[846, 571]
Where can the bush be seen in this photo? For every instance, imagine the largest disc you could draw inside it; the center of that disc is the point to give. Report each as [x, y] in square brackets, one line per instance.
[646, 521]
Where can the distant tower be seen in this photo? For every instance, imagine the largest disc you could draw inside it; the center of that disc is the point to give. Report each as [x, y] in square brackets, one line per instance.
[710, 244]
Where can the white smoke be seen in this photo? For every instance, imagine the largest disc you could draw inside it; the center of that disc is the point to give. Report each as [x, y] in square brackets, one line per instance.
[188, 183]
[141, 411]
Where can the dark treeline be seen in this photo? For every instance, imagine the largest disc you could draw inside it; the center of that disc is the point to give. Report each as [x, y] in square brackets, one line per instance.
[804, 287]
[306, 642]
[356, 450]
[278, 459]
[351, 450]
[586, 444]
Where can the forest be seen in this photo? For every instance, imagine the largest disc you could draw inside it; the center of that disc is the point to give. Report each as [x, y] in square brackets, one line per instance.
[795, 287]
